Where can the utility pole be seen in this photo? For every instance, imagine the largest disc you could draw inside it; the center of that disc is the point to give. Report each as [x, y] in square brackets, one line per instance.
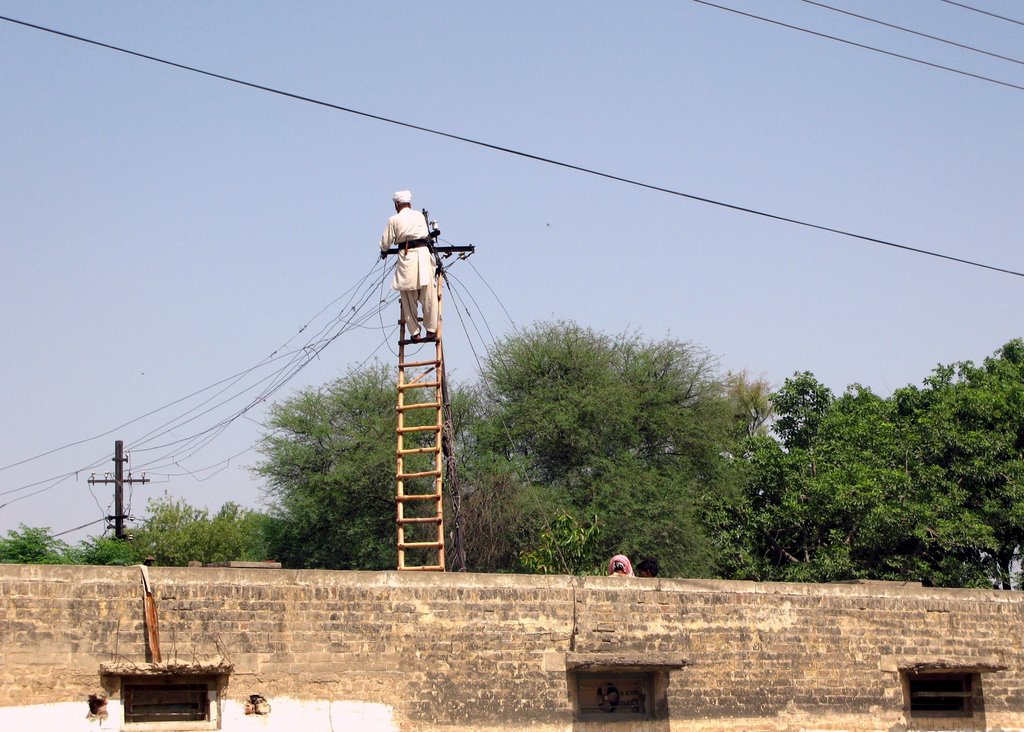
[425, 451]
[118, 480]
[451, 469]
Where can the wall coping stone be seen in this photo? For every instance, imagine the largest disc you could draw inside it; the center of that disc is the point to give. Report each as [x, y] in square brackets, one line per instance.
[161, 576]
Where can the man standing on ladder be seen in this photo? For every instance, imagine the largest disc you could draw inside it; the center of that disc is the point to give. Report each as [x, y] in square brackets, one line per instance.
[414, 273]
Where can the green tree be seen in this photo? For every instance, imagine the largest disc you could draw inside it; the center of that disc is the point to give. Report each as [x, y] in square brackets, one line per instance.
[107, 551]
[500, 512]
[800, 405]
[789, 523]
[970, 441]
[628, 430]
[329, 466]
[751, 403]
[31, 545]
[565, 548]
[175, 533]
[925, 485]
[563, 420]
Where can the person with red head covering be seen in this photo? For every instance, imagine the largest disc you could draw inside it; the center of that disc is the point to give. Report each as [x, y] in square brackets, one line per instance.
[619, 566]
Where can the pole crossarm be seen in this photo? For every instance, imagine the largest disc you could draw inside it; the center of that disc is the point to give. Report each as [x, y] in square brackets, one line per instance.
[445, 250]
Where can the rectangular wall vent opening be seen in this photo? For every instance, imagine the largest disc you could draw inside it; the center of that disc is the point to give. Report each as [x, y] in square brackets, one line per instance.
[940, 694]
[613, 696]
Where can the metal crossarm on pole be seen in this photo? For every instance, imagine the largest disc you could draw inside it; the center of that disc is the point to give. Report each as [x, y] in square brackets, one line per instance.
[444, 250]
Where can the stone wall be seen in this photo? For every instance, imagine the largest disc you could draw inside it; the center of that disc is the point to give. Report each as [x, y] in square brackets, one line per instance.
[425, 652]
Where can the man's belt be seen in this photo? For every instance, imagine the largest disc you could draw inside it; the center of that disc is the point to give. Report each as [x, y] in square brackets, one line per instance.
[414, 243]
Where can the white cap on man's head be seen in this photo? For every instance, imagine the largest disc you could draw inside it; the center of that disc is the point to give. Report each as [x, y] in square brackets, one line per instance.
[403, 197]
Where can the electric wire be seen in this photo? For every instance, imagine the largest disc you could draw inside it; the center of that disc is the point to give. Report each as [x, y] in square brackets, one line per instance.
[861, 45]
[220, 466]
[570, 166]
[914, 32]
[95, 499]
[487, 325]
[493, 361]
[477, 304]
[198, 441]
[381, 297]
[293, 355]
[498, 299]
[234, 377]
[195, 443]
[71, 473]
[68, 531]
[137, 419]
[205, 437]
[301, 358]
[456, 301]
[350, 316]
[56, 482]
[983, 12]
[385, 340]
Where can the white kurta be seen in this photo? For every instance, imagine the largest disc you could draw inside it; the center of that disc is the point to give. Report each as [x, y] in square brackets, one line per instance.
[414, 272]
[415, 268]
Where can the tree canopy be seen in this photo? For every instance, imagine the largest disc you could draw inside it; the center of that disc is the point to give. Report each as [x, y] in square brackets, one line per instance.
[176, 533]
[925, 485]
[565, 425]
[330, 470]
[173, 532]
[34, 545]
[575, 445]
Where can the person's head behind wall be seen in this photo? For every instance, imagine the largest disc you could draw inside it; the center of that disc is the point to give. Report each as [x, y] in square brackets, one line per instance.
[402, 199]
[647, 568]
[619, 566]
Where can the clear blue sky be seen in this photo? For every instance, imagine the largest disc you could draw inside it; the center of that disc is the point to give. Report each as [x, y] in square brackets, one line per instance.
[163, 231]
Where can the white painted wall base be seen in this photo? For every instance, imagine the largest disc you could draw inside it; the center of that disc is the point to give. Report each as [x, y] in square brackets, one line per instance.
[286, 715]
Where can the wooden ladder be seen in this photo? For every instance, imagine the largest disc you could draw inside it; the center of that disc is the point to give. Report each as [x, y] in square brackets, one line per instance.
[419, 459]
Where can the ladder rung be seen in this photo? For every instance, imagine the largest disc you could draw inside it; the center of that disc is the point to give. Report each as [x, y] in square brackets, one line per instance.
[421, 545]
[425, 568]
[418, 341]
[418, 450]
[424, 370]
[418, 497]
[421, 405]
[424, 474]
[419, 385]
[424, 428]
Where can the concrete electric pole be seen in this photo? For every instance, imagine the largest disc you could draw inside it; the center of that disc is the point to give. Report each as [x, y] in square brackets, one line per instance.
[118, 480]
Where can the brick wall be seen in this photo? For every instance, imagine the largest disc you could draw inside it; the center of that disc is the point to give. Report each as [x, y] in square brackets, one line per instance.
[347, 650]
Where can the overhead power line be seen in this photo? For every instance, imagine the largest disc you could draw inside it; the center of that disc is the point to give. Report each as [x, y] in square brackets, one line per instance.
[297, 358]
[984, 12]
[551, 161]
[914, 32]
[292, 356]
[861, 45]
[68, 531]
